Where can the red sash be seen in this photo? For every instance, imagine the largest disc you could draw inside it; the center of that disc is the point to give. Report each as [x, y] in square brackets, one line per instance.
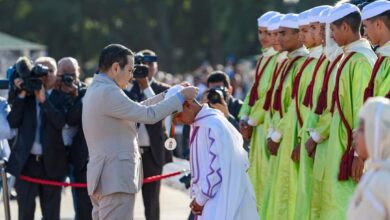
[297, 81]
[254, 96]
[308, 100]
[369, 92]
[278, 93]
[322, 99]
[388, 95]
[346, 161]
[268, 98]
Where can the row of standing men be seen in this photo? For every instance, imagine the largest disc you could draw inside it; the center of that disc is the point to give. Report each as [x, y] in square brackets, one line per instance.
[314, 75]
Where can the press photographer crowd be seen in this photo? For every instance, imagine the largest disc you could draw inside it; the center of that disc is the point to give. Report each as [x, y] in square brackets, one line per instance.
[303, 133]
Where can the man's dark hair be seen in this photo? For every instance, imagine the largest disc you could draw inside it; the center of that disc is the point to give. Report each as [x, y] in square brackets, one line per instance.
[385, 17]
[114, 53]
[218, 76]
[353, 20]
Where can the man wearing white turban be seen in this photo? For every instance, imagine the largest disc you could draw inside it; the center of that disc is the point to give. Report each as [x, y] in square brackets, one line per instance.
[220, 185]
[371, 199]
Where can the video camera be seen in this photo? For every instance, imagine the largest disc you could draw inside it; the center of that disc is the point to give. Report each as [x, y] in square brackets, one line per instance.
[141, 70]
[67, 79]
[216, 94]
[30, 74]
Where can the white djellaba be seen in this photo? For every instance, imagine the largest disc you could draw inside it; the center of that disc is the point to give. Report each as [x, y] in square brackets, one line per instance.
[371, 199]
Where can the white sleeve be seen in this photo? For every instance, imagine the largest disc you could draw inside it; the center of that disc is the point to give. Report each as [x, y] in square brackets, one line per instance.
[276, 136]
[316, 137]
[116, 104]
[154, 99]
[270, 131]
[211, 177]
[148, 92]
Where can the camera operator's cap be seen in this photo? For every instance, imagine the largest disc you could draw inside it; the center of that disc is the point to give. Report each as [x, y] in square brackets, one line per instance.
[290, 20]
[315, 13]
[340, 11]
[262, 21]
[169, 121]
[375, 8]
[324, 15]
[274, 22]
[303, 18]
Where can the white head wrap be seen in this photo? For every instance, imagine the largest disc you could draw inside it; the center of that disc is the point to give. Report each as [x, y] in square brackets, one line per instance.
[274, 22]
[375, 8]
[290, 20]
[303, 18]
[262, 21]
[376, 116]
[340, 11]
[315, 13]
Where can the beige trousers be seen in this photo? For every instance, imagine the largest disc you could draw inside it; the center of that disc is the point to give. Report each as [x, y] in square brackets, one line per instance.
[116, 206]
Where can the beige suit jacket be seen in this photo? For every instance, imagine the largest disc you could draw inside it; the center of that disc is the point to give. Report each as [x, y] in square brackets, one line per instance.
[109, 123]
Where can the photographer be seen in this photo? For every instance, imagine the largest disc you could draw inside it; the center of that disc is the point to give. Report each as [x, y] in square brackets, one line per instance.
[38, 113]
[218, 84]
[69, 72]
[150, 137]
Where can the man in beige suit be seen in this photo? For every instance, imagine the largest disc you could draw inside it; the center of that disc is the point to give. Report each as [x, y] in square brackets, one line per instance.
[114, 172]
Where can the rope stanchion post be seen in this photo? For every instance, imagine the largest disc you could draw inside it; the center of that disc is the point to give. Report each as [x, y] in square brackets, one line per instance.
[7, 210]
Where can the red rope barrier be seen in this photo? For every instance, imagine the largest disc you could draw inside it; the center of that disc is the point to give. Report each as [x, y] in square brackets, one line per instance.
[84, 185]
[162, 176]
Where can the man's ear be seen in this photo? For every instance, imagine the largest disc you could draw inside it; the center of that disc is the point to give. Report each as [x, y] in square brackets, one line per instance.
[115, 67]
[379, 24]
[345, 27]
[230, 90]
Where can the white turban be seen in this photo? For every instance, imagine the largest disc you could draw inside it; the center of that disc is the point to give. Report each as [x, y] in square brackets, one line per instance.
[376, 116]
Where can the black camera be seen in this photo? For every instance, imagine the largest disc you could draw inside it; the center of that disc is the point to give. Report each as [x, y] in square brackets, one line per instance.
[142, 70]
[30, 74]
[67, 79]
[215, 95]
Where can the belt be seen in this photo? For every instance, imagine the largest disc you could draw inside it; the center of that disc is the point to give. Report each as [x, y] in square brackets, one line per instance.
[37, 158]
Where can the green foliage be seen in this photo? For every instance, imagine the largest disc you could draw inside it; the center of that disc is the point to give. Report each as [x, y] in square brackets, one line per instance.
[183, 32]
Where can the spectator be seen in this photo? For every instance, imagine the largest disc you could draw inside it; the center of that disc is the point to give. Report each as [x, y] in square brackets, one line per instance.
[151, 137]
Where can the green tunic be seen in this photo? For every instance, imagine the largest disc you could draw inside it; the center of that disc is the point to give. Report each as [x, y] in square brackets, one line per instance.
[331, 196]
[282, 192]
[382, 79]
[245, 108]
[257, 158]
[304, 195]
[267, 164]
